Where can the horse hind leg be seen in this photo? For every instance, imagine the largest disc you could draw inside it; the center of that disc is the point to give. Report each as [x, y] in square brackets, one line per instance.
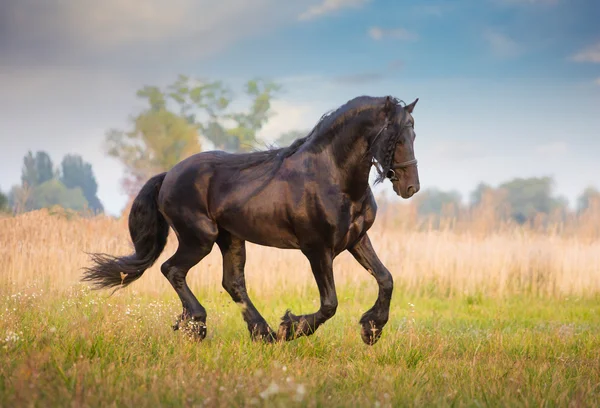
[234, 259]
[195, 242]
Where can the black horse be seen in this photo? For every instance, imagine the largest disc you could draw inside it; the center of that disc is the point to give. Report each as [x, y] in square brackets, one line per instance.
[313, 195]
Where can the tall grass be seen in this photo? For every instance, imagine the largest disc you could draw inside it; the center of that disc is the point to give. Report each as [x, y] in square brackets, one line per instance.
[484, 312]
[472, 254]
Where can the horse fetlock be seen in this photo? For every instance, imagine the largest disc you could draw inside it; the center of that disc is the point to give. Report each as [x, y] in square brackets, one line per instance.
[193, 327]
[195, 330]
[261, 332]
[292, 327]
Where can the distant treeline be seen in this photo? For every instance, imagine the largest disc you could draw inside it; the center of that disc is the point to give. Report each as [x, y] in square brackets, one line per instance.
[183, 116]
[522, 200]
[72, 185]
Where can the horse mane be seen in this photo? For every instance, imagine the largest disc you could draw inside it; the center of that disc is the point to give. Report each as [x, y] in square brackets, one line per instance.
[329, 123]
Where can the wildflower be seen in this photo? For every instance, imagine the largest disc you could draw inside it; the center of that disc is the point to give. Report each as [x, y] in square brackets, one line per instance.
[272, 389]
[300, 393]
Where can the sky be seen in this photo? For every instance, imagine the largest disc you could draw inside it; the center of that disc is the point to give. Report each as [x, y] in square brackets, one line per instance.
[506, 88]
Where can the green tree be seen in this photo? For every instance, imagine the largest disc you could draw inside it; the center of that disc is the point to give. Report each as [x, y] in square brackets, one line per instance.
[169, 129]
[78, 173]
[53, 192]
[587, 199]
[437, 202]
[206, 104]
[19, 198]
[530, 196]
[478, 194]
[160, 138]
[37, 169]
[42, 186]
[3, 202]
[242, 136]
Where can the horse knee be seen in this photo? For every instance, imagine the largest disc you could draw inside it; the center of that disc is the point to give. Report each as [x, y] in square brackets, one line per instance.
[386, 282]
[329, 308]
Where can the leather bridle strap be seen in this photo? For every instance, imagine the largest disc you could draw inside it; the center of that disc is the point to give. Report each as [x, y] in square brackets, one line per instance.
[405, 164]
[392, 176]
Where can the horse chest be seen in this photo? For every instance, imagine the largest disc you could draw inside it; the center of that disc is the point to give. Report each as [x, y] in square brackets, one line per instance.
[351, 231]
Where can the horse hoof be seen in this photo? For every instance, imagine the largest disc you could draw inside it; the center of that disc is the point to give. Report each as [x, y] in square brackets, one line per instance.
[196, 331]
[261, 332]
[265, 337]
[370, 334]
[293, 327]
[286, 331]
[193, 329]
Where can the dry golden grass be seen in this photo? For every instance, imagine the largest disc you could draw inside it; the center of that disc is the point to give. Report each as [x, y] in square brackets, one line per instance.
[464, 256]
[483, 313]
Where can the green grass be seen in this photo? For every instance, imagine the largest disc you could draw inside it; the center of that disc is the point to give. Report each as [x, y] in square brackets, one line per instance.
[88, 349]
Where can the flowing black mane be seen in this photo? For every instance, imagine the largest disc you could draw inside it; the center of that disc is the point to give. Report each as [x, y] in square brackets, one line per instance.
[327, 126]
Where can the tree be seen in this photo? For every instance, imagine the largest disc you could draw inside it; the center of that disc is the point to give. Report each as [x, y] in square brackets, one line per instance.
[53, 192]
[42, 186]
[78, 173]
[588, 199]
[37, 169]
[3, 202]
[19, 198]
[478, 194]
[530, 196]
[242, 136]
[159, 139]
[210, 101]
[169, 129]
[437, 202]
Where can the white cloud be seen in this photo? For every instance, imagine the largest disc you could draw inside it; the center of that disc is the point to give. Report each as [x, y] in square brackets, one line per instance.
[501, 45]
[398, 33]
[589, 54]
[330, 6]
[552, 149]
[135, 31]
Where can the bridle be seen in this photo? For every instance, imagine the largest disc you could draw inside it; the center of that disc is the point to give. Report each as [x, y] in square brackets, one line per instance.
[391, 174]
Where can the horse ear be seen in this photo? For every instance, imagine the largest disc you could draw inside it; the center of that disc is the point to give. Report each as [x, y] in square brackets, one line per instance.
[411, 107]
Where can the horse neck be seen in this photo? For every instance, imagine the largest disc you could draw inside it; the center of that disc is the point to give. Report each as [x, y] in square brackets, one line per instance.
[349, 148]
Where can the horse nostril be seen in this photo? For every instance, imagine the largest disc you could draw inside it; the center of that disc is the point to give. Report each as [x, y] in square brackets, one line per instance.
[411, 190]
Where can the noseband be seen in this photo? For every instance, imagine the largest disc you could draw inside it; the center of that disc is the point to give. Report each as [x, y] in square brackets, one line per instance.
[391, 174]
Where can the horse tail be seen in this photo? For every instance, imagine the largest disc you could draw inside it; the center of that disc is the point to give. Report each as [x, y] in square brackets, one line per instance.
[148, 230]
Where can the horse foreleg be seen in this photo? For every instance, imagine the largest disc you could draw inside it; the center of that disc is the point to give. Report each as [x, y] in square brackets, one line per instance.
[375, 318]
[293, 326]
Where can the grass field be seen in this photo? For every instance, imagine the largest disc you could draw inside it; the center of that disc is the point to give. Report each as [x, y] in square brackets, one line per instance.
[505, 317]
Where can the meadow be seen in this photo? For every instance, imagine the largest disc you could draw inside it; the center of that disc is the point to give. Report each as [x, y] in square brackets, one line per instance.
[484, 313]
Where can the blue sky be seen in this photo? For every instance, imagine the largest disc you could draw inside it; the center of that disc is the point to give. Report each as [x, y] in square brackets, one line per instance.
[507, 88]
